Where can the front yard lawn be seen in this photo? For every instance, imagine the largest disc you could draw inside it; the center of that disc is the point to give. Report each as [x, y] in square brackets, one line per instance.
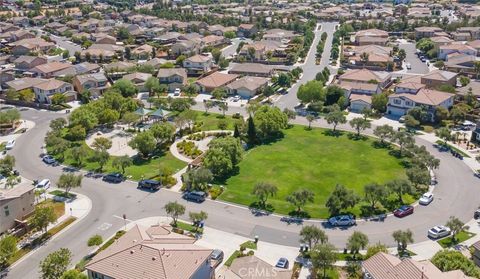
[313, 160]
[58, 207]
[459, 238]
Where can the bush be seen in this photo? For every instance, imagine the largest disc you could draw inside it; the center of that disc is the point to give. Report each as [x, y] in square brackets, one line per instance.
[189, 149]
[215, 192]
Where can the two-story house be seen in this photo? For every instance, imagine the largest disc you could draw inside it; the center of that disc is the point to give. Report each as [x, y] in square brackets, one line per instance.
[198, 63]
[174, 78]
[48, 70]
[96, 83]
[246, 30]
[400, 103]
[45, 90]
[16, 204]
[445, 50]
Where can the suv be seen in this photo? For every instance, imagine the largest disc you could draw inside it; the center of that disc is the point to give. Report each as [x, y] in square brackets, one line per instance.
[149, 184]
[196, 196]
[113, 177]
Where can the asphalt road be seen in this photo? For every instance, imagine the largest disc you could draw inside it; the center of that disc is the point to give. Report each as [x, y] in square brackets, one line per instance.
[232, 49]
[418, 67]
[310, 69]
[456, 194]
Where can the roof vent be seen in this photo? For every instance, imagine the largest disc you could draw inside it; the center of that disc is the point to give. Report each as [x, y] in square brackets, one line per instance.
[154, 258]
[132, 251]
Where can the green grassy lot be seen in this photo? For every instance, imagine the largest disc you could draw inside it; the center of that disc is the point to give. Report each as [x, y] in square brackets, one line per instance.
[58, 207]
[315, 161]
[210, 121]
[460, 237]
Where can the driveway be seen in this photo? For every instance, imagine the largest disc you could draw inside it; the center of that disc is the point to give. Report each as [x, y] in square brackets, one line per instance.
[418, 67]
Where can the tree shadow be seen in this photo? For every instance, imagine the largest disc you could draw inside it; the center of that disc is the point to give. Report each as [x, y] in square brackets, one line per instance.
[368, 211]
[300, 214]
[356, 137]
[332, 133]
[260, 209]
[381, 145]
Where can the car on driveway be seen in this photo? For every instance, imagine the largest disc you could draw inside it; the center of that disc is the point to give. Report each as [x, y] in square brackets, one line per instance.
[476, 214]
[216, 257]
[114, 177]
[342, 220]
[196, 196]
[282, 263]
[177, 92]
[149, 184]
[426, 199]
[10, 144]
[439, 232]
[403, 211]
[49, 159]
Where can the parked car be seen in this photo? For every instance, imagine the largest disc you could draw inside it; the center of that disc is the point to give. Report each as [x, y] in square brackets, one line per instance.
[196, 196]
[282, 263]
[149, 184]
[342, 220]
[10, 144]
[44, 184]
[409, 66]
[403, 211]
[216, 257]
[439, 231]
[177, 92]
[401, 119]
[49, 159]
[236, 98]
[113, 177]
[476, 214]
[426, 199]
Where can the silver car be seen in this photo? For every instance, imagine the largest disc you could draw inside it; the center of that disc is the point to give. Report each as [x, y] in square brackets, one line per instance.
[439, 232]
[426, 199]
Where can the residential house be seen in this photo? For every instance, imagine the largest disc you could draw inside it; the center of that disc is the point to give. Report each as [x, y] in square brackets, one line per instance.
[461, 63]
[247, 87]
[173, 77]
[427, 32]
[360, 102]
[155, 62]
[378, 57]
[440, 41]
[246, 30]
[26, 46]
[371, 37]
[153, 252]
[6, 75]
[26, 62]
[79, 69]
[185, 47]
[279, 35]
[96, 83]
[438, 77]
[97, 55]
[214, 40]
[21, 35]
[242, 267]
[138, 79]
[16, 203]
[365, 76]
[400, 103]
[252, 69]
[142, 52]
[216, 80]
[167, 38]
[23, 83]
[104, 39]
[198, 63]
[445, 50]
[119, 66]
[476, 45]
[48, 70]
[385, 266]
[473, 33]
[220, 30]
[46, 90]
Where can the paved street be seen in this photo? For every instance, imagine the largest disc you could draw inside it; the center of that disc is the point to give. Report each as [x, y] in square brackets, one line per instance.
[418, 67]
[310, 69]
[232, 49]
[456, 194]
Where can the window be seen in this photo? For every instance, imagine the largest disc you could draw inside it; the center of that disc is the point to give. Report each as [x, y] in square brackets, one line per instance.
[408, 103]
[397, 101]
[6, 210]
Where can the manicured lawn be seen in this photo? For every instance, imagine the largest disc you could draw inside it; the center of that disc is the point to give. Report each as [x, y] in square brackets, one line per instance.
[58, 207]
[460, 237]
[230, 259]
[315, 161]
[210, 121]
[146, 168]
[189, 227]
[249, 245]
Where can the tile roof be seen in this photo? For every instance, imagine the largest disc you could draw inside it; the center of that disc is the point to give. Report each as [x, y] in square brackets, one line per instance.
[216, 80]
[51, 67]
[250, 83]
[172, 71]
[198, 58]
[251, 68]
[16, 191]
[50, 84]
[364, 75]
[24, 83]
[440, 75]
[151, 253]
[360, 97]
[425, 96]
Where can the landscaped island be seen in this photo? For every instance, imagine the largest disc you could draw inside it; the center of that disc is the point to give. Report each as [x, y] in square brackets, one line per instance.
[313, 160]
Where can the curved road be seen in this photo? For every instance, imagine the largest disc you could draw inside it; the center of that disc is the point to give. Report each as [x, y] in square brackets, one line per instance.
[456, 194]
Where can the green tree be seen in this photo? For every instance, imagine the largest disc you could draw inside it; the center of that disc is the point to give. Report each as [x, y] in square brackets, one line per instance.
[197, 179]
[263, 190]
[83, 117]
[340, 199]
[55, 264]
[216, 54]
[335, 117]
[58, 124]
[125, 87]
[197, 218]
[8, 248]
[7, 163]
[311, 91]
[223, 106]
[95, 240]
[356, 242]
[360, 124]
[42, 217]
[448, 260]
[403, 139]
[28, 95]
[162, 132]
[144, 142]
[300, 198]
[400, 187]
[403, 238]
[152, 85]
[310, 118]
[312, 235]
[444, 133]
[418, 176]
[379, 102]
[323, 256]
[108, 117]
[73, 274]
[102, 143]
[122, 162]
[374, 193]
[58, 99]
[68, 181]
[101, 157]
[456, 225]
[174, 210]
[383, 132]
[270, 121]
[223, 155]
[251, 132]
[374, 249]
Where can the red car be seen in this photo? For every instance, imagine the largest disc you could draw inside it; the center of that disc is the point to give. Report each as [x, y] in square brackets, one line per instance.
[403, 211]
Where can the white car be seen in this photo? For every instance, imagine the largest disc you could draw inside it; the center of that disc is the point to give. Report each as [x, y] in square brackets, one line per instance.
[426, 199]
[10, 144]
[236, 98]
[176, 92]
[48, 159]
[409, 66]
[439, 232]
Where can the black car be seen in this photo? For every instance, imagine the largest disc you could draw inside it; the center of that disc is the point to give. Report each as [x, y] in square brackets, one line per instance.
[196, 196]
[149, 184]
[113, 177]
